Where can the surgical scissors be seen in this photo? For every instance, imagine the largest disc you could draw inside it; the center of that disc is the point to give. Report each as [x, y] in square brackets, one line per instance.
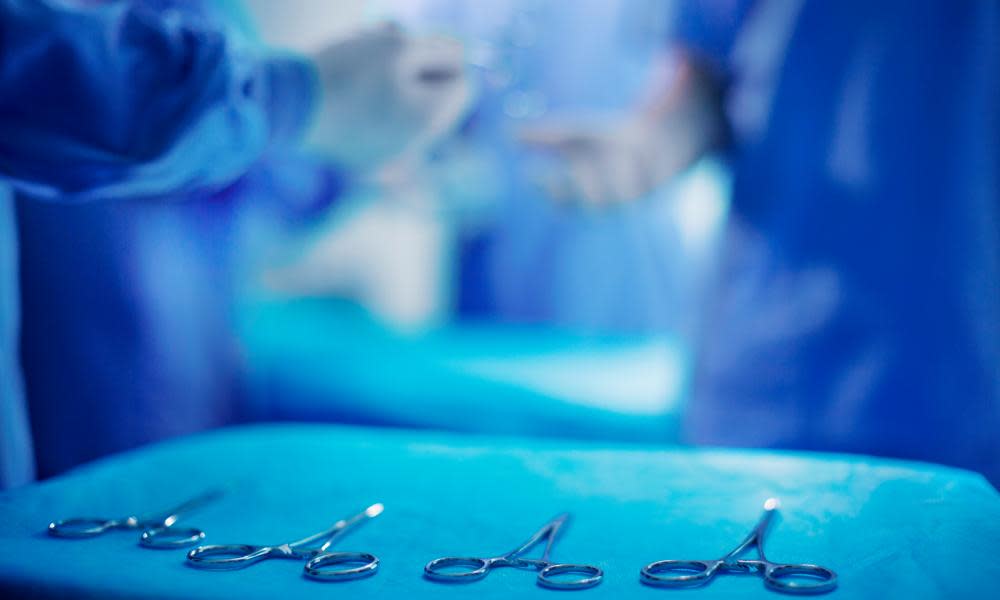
[158, 529]
[441, 569]
[312, 549]
[777, 576]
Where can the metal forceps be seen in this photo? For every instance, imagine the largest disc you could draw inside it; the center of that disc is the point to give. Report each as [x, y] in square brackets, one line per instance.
[781, 577]
[443, 569]
[158, 529]
[312, 549]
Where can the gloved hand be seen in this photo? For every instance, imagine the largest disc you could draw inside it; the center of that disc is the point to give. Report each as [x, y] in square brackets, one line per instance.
[387, 94]
[631, 156]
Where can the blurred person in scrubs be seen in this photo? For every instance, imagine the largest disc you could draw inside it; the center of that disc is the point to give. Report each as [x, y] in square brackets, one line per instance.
[858, 304]
[130, 133]
[544, 67]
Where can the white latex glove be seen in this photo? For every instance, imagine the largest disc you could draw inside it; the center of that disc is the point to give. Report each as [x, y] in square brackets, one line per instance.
[387, 94]
[631, 156]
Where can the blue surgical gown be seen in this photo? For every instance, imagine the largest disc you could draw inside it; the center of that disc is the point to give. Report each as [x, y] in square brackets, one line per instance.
[147, 115]
[858, 308]
[537, 260]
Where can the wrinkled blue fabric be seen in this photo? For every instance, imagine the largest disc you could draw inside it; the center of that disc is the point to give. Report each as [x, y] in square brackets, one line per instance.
[150, 111]
[889, 529]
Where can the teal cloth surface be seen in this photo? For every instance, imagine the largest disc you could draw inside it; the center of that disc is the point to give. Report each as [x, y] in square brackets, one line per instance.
[324, 360]
[890, 529]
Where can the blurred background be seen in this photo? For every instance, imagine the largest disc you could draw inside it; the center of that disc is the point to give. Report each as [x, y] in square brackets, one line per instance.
[752, 223]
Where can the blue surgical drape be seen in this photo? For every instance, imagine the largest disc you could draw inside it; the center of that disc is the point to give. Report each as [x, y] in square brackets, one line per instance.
[149, 101]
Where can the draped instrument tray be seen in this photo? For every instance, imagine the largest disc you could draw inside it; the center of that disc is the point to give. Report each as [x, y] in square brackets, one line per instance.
[890, 529]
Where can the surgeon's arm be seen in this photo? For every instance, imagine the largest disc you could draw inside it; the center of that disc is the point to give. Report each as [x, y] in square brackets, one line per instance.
[630, 156]
[119, 100]
[680, 119]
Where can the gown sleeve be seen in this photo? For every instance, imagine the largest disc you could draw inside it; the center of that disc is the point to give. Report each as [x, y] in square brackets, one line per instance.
[131, 99]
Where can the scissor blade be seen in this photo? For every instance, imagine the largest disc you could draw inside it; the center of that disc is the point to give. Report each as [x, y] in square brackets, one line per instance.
[340, 527]
[550, 531]
[756, 536]
[169, 517]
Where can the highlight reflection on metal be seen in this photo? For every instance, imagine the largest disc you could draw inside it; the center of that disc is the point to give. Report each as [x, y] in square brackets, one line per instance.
[474, 568]
[781, 577]
[158, 529]
[312, 549]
